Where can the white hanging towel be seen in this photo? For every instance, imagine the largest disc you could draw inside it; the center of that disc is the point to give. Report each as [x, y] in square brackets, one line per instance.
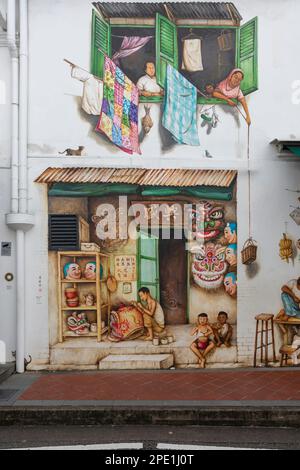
[192, 55]
[92, 91]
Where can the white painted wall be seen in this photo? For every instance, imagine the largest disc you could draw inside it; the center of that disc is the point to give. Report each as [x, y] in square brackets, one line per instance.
[61, 29]
[4, 107]
[7, 265]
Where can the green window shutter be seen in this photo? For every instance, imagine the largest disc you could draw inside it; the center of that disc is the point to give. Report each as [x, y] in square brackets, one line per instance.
[100, 40]
[148, 263]
[248, 56]
[166, 47]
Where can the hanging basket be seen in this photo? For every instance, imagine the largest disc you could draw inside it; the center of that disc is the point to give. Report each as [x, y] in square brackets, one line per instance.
[249, 251]
[225, 41]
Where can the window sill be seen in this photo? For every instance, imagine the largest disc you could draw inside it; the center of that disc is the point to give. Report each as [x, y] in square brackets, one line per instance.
[200, 100]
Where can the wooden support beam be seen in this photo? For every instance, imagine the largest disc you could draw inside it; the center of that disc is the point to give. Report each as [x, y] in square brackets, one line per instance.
[169, 13]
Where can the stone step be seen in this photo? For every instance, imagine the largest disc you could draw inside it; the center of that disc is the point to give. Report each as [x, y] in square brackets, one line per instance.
[6, 370]
[137, 361]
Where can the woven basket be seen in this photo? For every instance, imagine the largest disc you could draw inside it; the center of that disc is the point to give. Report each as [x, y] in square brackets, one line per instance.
[225, 41]
[249, 251]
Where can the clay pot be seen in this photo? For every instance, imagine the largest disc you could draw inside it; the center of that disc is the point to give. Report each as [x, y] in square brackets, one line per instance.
[71, 293]
[73, 302]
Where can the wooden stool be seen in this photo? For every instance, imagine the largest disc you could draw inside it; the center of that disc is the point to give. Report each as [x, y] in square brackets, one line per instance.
[286, 351]
[264, 324]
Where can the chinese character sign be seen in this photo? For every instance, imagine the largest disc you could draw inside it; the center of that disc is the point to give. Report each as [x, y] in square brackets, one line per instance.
[125, 268]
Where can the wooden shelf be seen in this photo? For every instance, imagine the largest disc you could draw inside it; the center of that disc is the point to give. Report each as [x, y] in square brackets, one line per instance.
[94, 308]
[82, 254]
[71, 334]
[102, 311]
[79, 308]
[68, 334]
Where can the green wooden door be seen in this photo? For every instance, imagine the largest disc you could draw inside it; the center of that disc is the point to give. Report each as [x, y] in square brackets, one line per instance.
[247, 60]
[148, 264]
[166, 47]
[101, 44]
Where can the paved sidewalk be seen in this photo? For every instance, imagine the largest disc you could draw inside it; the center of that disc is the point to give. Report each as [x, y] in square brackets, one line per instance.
[254, 396]
[166, 385]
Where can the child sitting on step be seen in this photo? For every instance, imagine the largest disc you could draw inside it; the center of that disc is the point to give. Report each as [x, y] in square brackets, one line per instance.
[203, 343]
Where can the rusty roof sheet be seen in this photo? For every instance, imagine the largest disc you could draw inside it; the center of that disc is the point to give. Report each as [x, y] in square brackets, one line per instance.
[139, 176]
[179, 10]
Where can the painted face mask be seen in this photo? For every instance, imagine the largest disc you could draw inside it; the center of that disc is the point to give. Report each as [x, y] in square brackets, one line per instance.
[231, 254]
[230, 232]
[90, 271]
[207, 221]
[230, 284]
[72, 271]
[209, 266]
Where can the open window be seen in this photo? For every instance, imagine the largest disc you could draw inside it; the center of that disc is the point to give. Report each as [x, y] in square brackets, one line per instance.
[223, 48]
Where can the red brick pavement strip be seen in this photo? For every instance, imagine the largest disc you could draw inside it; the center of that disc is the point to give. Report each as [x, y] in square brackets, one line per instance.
[235, 385]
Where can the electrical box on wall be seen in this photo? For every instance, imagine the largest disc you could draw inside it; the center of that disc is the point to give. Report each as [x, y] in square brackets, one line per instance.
[67, 232]
[5, 248]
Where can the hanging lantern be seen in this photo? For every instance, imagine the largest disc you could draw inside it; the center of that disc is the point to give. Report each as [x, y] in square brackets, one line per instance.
[285, 248]
[249, 251]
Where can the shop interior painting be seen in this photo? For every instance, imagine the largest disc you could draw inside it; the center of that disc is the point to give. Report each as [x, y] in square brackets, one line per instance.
[146, 290]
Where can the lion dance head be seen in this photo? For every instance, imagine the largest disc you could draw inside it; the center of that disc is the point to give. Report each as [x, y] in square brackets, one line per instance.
[209, 265]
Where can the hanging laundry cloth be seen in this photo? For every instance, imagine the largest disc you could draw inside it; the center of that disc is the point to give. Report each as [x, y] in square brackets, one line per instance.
[130, 45]
[192, 55]
[119, 113]
[180, 108]
[92, 91]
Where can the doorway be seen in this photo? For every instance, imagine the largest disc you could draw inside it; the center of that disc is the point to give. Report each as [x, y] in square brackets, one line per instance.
[163, 269]
[173, 280]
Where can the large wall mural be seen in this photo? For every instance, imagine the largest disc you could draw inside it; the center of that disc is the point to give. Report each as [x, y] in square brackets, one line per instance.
[154, 261]
[181, 55]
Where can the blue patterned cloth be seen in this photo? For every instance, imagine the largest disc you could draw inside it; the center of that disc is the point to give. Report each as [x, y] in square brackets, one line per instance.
[291, 308]
[180, 108]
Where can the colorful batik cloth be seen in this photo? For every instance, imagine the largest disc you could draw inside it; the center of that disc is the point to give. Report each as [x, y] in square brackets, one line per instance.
[119, 113]
[180, 108]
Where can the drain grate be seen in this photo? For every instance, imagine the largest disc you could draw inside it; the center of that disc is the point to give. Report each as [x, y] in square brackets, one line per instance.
[7, 394]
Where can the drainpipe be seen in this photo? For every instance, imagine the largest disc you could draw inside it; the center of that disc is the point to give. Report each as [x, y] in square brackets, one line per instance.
[12, 45]
[19, 219]
[23, 117]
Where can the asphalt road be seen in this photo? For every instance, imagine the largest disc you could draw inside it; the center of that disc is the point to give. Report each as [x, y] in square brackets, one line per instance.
[149, 437]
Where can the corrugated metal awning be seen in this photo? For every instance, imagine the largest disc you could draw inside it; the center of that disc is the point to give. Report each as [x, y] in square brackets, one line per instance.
[139, 176]
[183, 10]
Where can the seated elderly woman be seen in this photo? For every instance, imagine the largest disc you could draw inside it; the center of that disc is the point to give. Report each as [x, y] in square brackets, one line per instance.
[229, 89]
